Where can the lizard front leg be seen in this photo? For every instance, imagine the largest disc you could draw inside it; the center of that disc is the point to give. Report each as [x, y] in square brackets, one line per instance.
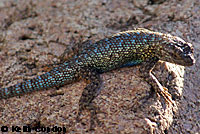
[89, 93]
[145, 71]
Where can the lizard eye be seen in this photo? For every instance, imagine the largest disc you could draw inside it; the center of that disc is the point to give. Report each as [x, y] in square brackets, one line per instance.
[187, 49]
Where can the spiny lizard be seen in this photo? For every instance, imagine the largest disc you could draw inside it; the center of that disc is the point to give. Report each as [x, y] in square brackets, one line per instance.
[136, 47]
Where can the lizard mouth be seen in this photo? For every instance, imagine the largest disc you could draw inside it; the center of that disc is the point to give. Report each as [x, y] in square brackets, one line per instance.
[186, 60]
[184, 56]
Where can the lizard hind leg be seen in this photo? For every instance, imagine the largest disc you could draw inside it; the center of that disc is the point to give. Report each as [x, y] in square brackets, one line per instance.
[89, 93]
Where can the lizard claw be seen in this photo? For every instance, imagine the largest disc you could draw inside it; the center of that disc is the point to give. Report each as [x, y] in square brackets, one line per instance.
[166, 95]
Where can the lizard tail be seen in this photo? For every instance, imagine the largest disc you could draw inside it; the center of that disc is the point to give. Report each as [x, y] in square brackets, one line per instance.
[58, 76]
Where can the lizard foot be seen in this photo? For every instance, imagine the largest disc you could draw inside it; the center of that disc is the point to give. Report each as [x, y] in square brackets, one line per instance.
[166, 95]
[94, 110]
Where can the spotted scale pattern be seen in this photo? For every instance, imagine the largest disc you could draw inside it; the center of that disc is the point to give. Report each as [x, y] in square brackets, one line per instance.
[61, 75]
[136, 47]
[121, 50]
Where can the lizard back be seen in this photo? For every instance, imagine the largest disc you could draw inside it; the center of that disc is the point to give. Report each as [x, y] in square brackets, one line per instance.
[123, 49]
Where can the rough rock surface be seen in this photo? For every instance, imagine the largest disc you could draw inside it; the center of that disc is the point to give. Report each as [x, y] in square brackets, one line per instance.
[34, 34]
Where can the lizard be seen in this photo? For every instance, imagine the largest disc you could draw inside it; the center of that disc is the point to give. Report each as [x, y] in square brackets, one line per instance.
[125, 49]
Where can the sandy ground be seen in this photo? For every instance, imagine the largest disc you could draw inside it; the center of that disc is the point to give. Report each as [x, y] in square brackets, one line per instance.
[34, 34]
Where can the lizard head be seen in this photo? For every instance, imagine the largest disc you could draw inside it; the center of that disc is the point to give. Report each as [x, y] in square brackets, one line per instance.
[176, 50]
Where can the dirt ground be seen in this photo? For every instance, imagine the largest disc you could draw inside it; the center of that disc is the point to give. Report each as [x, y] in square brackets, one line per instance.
[34, 35]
